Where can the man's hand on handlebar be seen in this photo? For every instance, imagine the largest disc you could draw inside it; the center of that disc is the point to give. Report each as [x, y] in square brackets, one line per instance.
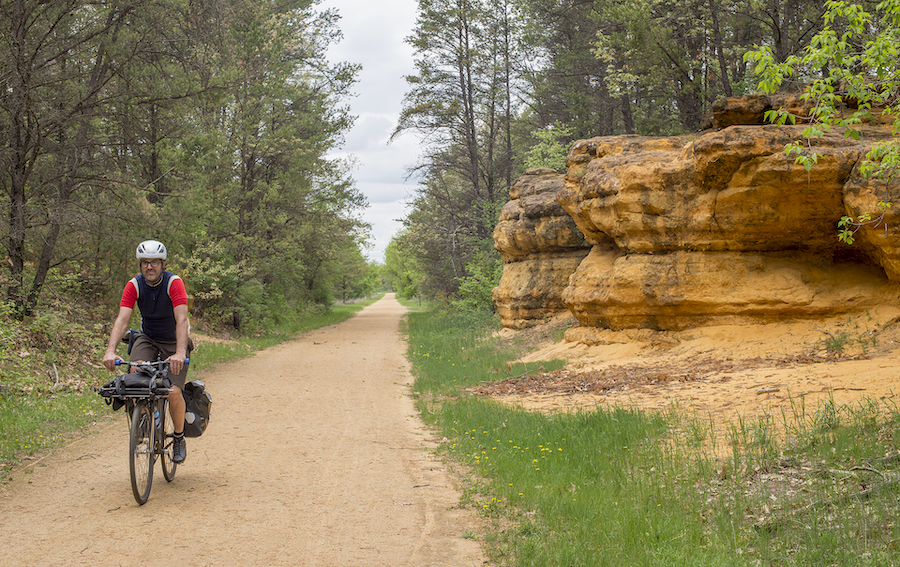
[176, 363]
[109, 360]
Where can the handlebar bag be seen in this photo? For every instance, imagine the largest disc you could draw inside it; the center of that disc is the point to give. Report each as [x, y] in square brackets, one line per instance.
[130, 385]
[138, 382]
[197, 403]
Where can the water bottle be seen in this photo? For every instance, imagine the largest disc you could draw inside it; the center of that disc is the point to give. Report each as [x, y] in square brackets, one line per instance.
[156, 417]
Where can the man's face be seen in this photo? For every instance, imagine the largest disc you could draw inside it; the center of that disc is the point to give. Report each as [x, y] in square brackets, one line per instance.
[152, 269]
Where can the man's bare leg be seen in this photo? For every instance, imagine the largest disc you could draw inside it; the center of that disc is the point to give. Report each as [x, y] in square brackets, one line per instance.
[176, 408]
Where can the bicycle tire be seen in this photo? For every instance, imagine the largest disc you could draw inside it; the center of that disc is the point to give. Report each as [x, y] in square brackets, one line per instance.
[167, 442]
[141, 450]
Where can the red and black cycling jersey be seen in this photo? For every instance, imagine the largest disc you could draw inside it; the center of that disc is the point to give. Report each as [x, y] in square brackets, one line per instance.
[157, 304]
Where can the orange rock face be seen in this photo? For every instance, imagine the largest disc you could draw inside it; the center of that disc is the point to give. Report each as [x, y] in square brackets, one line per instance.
[540, 246]
[717, 227]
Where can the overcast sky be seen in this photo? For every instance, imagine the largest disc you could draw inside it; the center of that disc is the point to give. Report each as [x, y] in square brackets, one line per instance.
[373, 37]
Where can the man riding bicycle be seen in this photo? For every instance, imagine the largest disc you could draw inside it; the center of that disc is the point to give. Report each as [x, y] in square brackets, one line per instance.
[162, 300]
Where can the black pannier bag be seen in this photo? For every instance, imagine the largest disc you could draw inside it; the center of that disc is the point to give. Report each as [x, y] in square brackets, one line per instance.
[196, 412]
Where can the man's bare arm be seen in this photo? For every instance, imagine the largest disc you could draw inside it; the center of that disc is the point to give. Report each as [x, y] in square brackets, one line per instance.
[176, 361]
[115, 336]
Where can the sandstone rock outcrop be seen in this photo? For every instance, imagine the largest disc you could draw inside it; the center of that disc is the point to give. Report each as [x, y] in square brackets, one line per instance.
[540, 247]
[717, 227]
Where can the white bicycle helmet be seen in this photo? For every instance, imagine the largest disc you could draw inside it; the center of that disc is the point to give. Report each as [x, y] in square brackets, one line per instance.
[150, 250]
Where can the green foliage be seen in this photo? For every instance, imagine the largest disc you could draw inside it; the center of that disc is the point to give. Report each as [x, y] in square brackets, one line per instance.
[401, 268]
[665, 62]
[205, 126]
[50, 353]
[228, 293]
[551, 149]
[564, 81]
[848, 226]
[851, 67]
[256, 309]
[213, 278]
[475, 289]
[462, 99]
[446, 227]
[357, 277]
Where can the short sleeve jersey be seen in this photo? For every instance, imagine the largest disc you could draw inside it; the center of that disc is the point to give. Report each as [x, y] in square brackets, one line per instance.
[157, 304]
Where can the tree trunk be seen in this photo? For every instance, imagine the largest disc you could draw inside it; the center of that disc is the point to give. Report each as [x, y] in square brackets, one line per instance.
[26, 130]
[467, 96]
[720, 49]
[627, 116]
[23, 146]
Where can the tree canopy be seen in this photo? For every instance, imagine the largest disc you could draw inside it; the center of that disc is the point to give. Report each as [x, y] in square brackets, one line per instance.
[505, 85]
[203, 124]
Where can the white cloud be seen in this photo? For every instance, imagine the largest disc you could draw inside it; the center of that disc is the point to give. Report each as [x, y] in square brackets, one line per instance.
[384, 218]
[384, 193]
[374, 36]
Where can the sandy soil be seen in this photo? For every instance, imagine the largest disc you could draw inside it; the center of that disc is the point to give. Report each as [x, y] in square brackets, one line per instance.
[314, 456]
[723, 373]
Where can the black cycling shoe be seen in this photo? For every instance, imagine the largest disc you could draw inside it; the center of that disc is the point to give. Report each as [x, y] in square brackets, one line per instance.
[179, 451]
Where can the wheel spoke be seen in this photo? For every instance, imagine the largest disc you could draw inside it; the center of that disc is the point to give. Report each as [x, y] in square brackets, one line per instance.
[141, 449]
[168, 463]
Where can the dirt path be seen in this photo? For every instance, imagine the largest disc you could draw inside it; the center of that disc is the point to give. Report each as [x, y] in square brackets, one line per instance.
[314, 456]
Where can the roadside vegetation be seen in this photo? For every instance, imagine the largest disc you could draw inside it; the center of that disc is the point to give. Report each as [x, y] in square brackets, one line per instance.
[817, 486]
[49, 367]
[208, 126]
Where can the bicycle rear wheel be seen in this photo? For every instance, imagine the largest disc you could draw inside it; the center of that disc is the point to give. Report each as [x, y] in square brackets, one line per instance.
[141, 446]
[167, 442]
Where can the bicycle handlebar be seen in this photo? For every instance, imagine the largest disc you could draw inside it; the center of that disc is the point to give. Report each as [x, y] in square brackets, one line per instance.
[156, 364]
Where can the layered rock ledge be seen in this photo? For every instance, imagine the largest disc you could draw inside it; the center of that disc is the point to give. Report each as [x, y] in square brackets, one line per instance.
[713, 228]
[540, 247]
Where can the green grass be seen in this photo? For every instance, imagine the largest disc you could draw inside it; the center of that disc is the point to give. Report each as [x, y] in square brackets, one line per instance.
[30, 423]
[575, 483]
[624, 487]
[453, 354]
[35, 419]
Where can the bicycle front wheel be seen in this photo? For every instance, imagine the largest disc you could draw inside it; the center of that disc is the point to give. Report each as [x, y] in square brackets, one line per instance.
[141, 446]
[167, 442]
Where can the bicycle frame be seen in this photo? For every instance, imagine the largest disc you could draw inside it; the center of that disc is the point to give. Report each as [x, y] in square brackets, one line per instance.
[150, 425]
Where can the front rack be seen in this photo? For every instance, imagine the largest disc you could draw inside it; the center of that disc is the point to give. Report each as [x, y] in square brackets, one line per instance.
[150, 381]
